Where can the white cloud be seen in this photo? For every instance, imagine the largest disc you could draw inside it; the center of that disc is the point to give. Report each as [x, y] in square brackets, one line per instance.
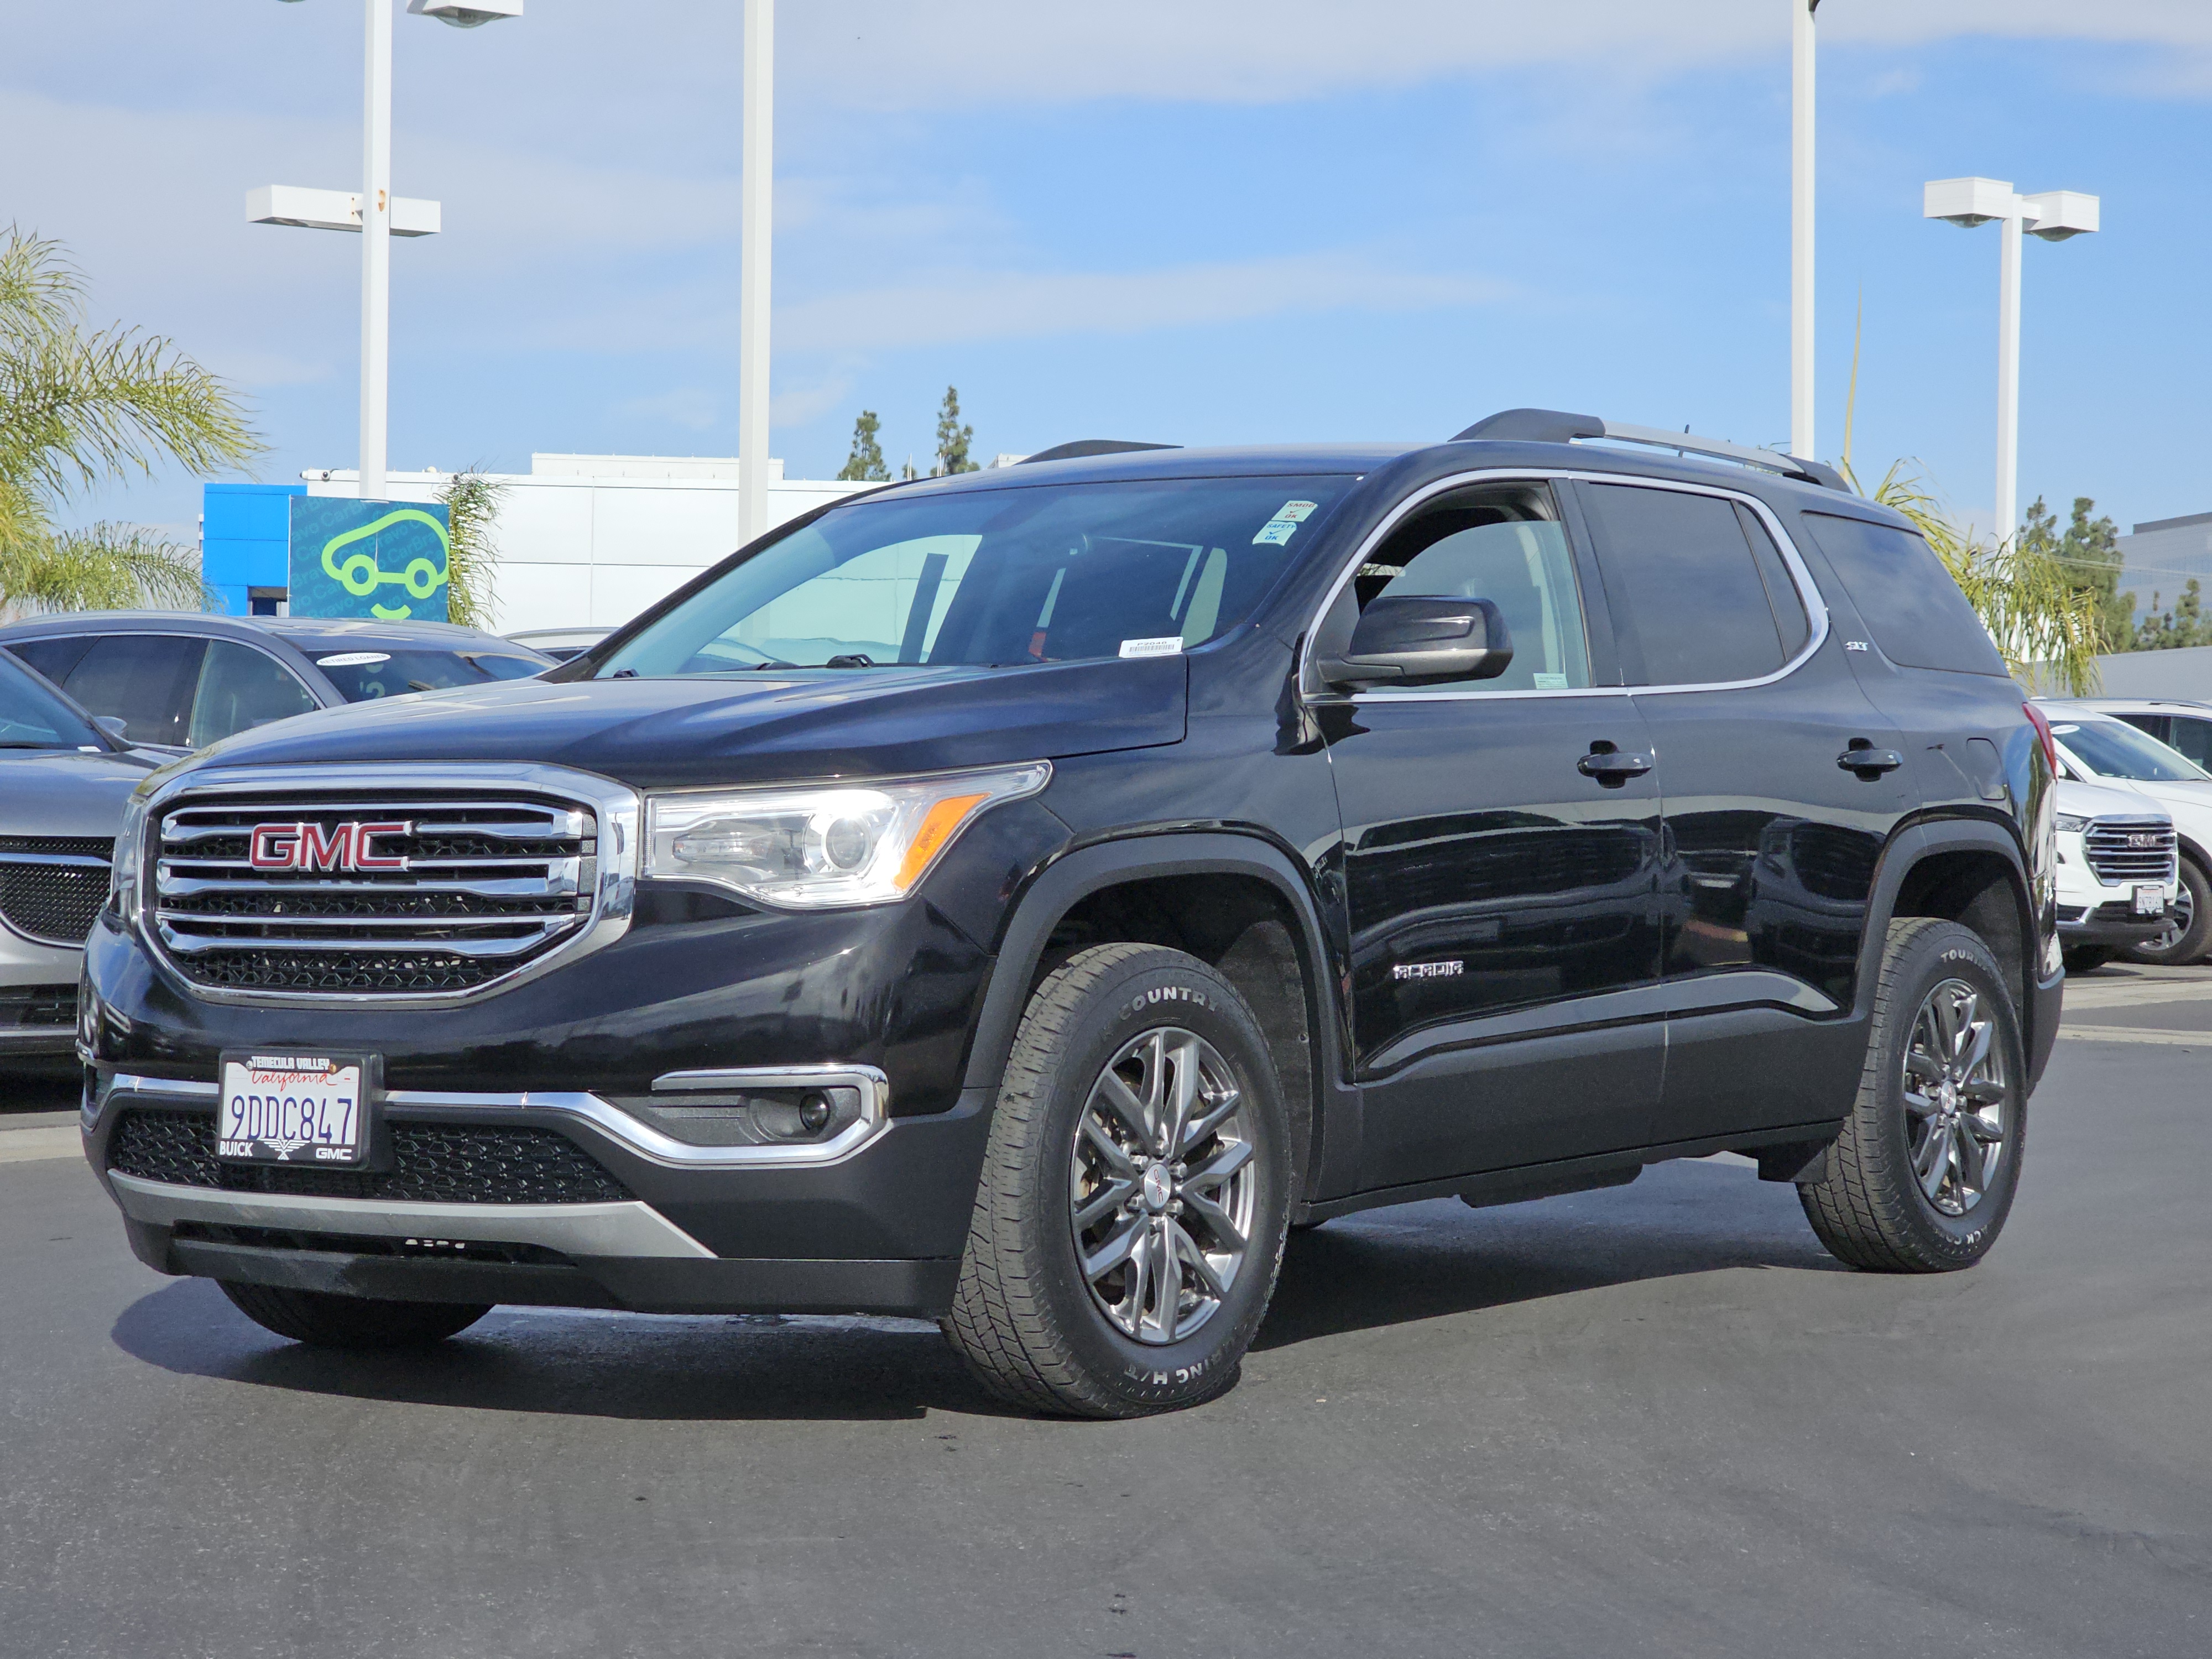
[691, 407]
[892, 53]
[1013, 305]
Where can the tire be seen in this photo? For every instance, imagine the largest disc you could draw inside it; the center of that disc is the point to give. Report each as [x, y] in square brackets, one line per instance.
[1873, 1207]
[2086, 958]
[1036, 1329]
[2190, 937]
[324, 1321]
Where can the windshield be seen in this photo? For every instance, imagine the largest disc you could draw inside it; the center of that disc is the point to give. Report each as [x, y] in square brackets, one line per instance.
[999, 577]
[363, 675]
[2113, 749]
[32, 717]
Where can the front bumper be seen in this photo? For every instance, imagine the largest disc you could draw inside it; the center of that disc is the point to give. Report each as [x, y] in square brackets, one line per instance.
[38, 997]
[2113, 922]
[878, 1231]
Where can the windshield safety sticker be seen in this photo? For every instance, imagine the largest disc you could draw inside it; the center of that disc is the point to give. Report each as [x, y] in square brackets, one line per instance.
[1550, 682]
[1280, 528]
[1167, 645]
[353, 659]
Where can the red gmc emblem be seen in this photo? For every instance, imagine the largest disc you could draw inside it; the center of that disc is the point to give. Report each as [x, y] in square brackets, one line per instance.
[349, 846]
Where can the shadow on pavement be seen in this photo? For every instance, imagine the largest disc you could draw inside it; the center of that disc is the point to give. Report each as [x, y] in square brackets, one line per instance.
[1383, 1269]
[1426, 1260]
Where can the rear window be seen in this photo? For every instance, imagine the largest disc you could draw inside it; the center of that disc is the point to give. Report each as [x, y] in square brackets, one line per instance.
[1915, 611]
[364, 675]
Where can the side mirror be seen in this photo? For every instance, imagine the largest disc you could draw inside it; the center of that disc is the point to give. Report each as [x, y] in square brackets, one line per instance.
[114, 726]
[1424, 640]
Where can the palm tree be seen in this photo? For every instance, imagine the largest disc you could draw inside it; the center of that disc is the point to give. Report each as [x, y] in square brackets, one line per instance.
[2048, 627]
[472, 502]
[80, 407]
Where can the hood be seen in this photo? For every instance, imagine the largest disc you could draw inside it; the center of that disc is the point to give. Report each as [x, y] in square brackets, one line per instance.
[743, 728]
[66, 792]
[2106, 801]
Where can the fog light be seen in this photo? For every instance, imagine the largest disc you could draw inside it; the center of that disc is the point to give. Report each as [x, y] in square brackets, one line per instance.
[815, 1113]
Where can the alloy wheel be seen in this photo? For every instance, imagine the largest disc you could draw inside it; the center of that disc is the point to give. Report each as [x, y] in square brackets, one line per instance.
[1958, 1102]
[1164, 1186]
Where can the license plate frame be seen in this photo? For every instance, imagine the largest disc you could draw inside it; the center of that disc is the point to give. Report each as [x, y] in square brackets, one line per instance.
[2149, 899]
[319, 1104]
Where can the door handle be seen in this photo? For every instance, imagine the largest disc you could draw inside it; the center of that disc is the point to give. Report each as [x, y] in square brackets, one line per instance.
[1610, 766]
[1869, 761]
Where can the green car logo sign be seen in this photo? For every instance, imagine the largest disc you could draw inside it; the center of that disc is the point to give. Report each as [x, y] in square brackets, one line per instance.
[369, 559]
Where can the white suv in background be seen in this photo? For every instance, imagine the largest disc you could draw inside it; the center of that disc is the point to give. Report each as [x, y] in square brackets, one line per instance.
[2116, 873]
[2099, 748]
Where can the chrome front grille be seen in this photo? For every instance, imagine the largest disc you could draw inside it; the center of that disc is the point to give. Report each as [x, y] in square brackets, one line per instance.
[397, 891]
[2129, 849]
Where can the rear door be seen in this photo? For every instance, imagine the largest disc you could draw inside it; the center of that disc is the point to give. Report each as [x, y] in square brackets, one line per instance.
[1504, 944]
[1772, 832]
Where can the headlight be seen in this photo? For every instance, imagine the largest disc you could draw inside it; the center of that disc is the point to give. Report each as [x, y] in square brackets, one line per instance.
[2071, 826]
[824, 845]
[123, 881]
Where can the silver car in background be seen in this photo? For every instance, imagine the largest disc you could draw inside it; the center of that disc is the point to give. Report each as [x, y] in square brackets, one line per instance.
[64, 781]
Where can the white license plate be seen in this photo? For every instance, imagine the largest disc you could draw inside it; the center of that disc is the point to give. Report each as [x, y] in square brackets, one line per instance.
[2150, 901]
[291, 1108]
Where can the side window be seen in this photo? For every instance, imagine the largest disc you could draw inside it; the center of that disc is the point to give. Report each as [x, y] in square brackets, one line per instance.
[54, 657]
[1690, 584]
[1782, 595]
[1497, 549]
[145, 679]
[1917, 615]
[240, 689]
[2193, 738]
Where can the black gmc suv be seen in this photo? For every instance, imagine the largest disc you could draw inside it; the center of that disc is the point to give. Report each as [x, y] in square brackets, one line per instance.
[1020, 898]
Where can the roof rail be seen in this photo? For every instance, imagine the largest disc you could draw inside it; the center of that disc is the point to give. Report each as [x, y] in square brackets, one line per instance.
[1554, 426]
[1089, 446]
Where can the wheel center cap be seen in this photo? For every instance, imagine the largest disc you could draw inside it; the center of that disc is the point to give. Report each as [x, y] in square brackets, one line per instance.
[1157, 1187]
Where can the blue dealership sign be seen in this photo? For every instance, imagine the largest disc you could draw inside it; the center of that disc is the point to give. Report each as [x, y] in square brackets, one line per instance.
[383, 559]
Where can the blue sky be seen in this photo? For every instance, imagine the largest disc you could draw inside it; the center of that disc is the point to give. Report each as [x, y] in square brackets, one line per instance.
[1216, 221]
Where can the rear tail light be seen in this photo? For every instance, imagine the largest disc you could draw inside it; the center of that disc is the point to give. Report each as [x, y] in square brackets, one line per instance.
[2043, 731]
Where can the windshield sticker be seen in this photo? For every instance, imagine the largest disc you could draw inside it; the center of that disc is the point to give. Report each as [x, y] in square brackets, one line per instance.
[1280, 528]
[1167, 645]
[353, 659]
[1550, 682]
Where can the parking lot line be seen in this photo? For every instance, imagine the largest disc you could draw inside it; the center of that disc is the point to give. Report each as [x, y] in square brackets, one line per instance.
[2127, 993]
[2137, 1033]
[26, 1146]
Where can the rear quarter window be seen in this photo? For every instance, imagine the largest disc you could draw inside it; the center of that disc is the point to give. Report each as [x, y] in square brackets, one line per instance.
[1915, 611]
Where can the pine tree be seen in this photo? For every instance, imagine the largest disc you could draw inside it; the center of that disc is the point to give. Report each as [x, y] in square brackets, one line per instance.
[2088, 552]
[952, 438]
[2185, 625]
[866, 463]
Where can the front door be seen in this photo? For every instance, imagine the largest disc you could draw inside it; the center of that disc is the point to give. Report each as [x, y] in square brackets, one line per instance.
[1772, 832]
[1501, 844]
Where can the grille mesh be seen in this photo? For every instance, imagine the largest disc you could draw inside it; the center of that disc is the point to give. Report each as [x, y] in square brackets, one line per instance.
[488, 883]
[57, 902]
[434, 1164]
[25, 1007]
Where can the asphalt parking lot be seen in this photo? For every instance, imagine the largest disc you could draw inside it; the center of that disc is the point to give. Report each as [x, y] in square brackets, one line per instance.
[1656, 1419]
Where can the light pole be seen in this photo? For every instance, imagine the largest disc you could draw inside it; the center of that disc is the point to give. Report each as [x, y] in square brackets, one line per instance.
[2055, 214]
[755, 235]
[1801, 225]
[376, 214]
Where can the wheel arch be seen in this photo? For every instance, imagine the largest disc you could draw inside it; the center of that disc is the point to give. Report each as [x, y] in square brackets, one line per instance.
[1963, 870]
[1238, 901]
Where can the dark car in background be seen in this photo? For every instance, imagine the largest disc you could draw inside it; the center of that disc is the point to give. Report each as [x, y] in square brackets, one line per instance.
[63, 784]
[184, 681]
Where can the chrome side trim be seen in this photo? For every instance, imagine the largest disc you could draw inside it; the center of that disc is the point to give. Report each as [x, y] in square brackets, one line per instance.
[631, 1229]
[617, 808]
[1310, 685]
[632, 1133]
